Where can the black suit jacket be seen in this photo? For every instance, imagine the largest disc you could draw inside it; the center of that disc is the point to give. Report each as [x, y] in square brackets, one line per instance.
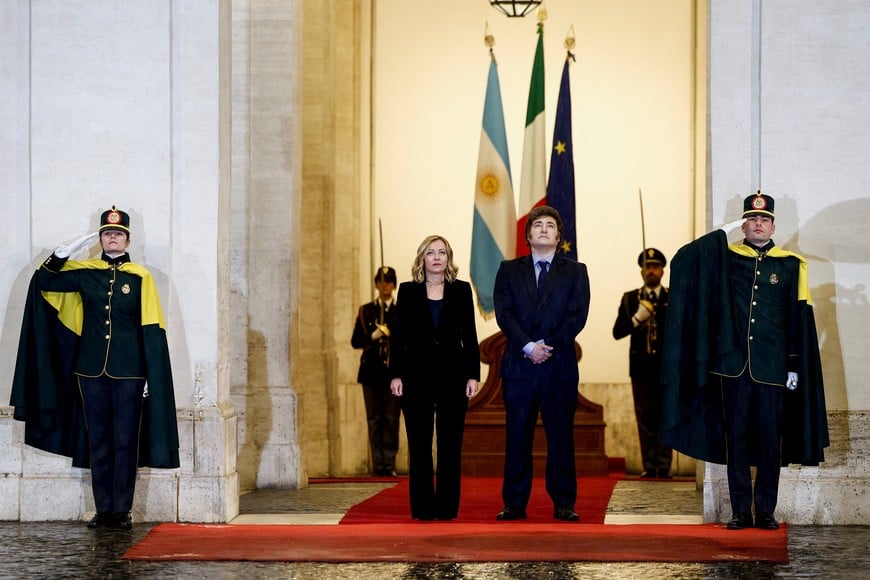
[557, 316]
[419, 351]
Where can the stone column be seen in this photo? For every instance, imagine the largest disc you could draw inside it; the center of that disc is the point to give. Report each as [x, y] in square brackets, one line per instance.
[266, 247]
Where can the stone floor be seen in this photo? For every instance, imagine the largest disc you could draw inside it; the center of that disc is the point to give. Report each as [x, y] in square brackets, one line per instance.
[70, 550]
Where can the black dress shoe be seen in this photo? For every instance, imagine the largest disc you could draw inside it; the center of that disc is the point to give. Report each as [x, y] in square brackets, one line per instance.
[123, 521]
[651, 474]
[740, 521]
[566, 513]
[509, 513]
[766, 521]
[664, 473]
[101, 520]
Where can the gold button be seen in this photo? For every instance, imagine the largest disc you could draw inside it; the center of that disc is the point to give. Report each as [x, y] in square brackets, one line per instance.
[107, 337]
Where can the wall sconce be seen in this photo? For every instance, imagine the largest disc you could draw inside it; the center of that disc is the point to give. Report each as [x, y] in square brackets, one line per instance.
[515, 8]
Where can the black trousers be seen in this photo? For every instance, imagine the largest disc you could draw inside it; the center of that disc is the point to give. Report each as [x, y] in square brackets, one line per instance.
[383, 411]
[647, 396]
[113, 412]
[438, 407]
[557, 403]
[753, 419]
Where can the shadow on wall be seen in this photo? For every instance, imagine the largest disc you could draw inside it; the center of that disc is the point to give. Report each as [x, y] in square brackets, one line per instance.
[255, 420]
[838, 240]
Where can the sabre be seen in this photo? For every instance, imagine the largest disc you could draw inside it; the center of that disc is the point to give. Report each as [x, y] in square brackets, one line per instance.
[381, 236]
[642, 227]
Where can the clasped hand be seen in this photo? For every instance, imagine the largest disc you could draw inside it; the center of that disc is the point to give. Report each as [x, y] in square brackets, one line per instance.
[541, 353]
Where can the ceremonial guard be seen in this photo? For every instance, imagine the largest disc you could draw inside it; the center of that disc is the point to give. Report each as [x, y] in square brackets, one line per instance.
[642, 314]
[741, 369]
[93, 335]
[371, 333]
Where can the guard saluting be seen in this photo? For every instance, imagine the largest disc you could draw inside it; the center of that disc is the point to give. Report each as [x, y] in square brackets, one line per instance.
[741, 370]
[93, 334]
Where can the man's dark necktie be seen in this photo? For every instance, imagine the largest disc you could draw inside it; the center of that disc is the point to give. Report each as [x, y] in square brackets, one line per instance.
[542, 276]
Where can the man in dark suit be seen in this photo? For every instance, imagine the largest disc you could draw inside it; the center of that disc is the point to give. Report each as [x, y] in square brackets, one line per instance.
[642, 313]
[541, 304]
[371, 333]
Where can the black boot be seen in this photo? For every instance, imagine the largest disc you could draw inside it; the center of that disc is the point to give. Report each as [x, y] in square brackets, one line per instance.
[123, 520]
[101, 520]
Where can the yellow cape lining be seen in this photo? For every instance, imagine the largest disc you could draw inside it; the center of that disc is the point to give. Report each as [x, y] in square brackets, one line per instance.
[777, 252]
[69, 304]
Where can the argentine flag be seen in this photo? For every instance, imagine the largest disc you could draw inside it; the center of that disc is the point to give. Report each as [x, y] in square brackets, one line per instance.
[493, 236]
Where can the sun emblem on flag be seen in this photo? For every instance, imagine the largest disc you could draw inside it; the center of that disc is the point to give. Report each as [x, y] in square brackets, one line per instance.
[490, 184]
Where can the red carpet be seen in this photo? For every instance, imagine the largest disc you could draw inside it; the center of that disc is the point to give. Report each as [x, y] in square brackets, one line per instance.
[382, 531]
[481, 500]
[460, 542]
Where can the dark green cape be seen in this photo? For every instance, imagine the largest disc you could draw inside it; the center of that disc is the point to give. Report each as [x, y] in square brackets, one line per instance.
[700, 333]
[45, 391]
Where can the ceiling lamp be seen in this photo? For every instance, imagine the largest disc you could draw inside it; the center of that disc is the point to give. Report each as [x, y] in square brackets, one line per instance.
[514, 8]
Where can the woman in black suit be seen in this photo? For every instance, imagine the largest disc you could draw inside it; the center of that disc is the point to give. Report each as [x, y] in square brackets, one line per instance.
[435, 362]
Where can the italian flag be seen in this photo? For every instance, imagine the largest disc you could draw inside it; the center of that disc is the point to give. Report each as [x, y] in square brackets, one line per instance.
[533, 180]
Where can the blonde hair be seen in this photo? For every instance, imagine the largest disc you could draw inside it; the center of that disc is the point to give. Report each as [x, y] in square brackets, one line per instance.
[418, 273]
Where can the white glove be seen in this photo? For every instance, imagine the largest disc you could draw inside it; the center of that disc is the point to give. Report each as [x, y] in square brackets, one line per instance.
[74, 247]
[377, 334]
[731, 226]
[791, 383]
[643, 311]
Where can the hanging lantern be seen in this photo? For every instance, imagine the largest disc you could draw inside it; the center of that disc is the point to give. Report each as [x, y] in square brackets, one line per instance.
[515, 8]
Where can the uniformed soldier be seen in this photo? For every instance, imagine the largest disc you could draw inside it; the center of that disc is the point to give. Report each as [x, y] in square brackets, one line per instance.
[741, 332]
[642, 313]
[764, 287]
[112, 339]
[371, 333]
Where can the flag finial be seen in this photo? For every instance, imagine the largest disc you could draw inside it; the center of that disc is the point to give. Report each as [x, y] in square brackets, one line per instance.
[569, 39]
